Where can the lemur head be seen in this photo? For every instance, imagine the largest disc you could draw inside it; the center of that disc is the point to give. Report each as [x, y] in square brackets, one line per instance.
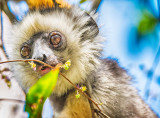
[55, 35]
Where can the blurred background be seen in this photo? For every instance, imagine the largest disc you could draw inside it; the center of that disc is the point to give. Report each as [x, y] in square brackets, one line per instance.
[132, 30]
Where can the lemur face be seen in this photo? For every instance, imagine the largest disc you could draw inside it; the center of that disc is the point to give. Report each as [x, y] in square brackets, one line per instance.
[57, 36]
[54, 36]
[43, 46]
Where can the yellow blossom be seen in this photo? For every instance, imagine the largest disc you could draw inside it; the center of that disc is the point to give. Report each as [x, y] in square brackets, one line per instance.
[33, 65]
[101, 103]
[84, 88]
[66, 65]
[77, 95]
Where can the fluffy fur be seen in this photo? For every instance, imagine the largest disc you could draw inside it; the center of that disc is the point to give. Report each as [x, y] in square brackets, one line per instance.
[105, 81]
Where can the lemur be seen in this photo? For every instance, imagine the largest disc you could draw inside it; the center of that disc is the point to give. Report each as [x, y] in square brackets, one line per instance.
[55, 34]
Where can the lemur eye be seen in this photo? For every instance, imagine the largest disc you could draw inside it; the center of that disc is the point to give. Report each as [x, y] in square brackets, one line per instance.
[55, 39]
[25, 51]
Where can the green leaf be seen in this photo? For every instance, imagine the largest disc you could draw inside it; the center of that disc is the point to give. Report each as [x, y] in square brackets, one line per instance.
[147, 23]
[77, 96]
[82, 1]
[39, 92]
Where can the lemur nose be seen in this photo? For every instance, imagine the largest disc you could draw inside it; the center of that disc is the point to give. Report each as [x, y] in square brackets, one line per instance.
[42, 58]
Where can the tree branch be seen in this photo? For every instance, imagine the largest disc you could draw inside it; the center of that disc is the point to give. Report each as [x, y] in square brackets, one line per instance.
[12, 100]
[27, 60]
[95, 5]
[4, 7]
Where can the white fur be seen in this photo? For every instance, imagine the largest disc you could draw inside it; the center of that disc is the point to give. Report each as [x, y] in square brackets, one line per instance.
[82, 51]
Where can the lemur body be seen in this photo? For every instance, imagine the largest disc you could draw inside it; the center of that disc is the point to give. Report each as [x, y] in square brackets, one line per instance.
[55, 35]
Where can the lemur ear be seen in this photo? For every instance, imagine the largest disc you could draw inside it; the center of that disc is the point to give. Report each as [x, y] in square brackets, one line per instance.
[92, 29]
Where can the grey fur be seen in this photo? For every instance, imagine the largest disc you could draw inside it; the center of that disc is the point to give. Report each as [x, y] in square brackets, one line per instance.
[111, 85]
[106, 82]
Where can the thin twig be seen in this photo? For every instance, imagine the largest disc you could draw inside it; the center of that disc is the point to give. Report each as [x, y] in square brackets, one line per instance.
[100, 111]
[95, 5]
[4, 70]
[5, 8]
[12, 100]
[27, 60]
[80, 91]
[1, 46]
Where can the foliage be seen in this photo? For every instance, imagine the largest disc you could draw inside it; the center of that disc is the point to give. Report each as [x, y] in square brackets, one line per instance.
[82, 1]
[39, 92]
[66, 65]
[147, 23]
[83, 88]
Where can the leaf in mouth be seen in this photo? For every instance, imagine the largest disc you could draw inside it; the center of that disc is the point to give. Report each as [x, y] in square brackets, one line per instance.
[39, 92]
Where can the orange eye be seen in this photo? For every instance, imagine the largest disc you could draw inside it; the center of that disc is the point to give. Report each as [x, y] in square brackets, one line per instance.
[25, 51]
[55, 39]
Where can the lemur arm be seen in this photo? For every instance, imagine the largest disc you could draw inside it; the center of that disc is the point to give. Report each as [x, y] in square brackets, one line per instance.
[76, 107]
